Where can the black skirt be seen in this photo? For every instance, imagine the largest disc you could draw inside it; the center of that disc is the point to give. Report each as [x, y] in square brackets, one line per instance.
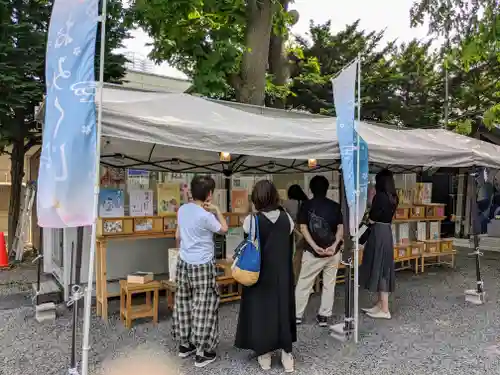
[377, 269]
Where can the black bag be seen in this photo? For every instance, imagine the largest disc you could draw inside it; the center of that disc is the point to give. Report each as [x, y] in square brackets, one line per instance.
[320, 230]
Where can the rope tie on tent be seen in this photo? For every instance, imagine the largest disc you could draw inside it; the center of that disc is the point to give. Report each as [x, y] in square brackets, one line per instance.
[76, 294]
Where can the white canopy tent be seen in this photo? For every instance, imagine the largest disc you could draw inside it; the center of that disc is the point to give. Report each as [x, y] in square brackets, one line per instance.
[184, 133]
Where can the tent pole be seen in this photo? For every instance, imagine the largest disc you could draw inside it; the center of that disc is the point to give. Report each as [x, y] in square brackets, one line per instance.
[356, 224]
[76, 295]
[90, 279]
[477, 295]
[342, 331]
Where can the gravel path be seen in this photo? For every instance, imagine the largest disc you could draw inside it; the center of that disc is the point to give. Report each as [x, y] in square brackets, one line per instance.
[433, 331]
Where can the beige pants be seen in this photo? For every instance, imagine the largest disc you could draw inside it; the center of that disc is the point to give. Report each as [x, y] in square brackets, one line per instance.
[310, 269]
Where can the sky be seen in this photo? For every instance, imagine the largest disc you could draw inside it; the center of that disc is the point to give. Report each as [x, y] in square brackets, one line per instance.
[392, 15]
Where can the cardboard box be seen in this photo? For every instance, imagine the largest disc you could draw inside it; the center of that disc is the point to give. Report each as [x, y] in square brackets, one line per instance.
[140, 277]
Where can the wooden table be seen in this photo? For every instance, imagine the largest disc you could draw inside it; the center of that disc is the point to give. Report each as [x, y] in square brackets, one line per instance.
[128, 312]
[405, 263]
[439, 259]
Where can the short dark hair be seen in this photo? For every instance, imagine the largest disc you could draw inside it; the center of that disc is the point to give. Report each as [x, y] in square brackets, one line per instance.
[319, 186]
[295, 192]
[265, 196]
[201, 187]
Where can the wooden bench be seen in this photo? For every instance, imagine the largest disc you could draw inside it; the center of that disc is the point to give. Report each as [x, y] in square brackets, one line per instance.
[128, 312]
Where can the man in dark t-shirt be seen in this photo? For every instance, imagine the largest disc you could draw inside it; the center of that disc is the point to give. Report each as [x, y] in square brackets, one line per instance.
[320, 222]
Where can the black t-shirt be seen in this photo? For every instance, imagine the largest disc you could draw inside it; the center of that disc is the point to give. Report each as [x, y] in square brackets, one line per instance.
[382, 210]
[324, 214]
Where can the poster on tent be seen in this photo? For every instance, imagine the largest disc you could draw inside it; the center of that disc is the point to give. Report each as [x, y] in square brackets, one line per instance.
[137, 179]
[141, 202]
[67, 174]
[352, 146]
[169, 198]
[111, 203]
[239, 200]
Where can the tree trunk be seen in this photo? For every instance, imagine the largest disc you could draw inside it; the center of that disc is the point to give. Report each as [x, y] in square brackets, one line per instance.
[16, 176]
[278, 63]
[252, 83]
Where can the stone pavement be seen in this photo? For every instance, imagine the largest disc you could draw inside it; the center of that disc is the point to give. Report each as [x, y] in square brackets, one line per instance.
[433, 331]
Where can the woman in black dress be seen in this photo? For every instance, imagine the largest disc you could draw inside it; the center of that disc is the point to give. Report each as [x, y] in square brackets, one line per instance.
[377, 270]
[266, 320]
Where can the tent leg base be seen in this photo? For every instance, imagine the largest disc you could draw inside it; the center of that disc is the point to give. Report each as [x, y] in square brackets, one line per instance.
[339, 333]
[475, 297]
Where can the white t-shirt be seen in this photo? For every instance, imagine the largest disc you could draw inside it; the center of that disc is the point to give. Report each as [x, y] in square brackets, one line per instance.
[196, 230]
[271, 215]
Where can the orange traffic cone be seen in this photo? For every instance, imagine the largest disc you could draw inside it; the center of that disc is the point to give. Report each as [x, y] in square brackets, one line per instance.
[4, 258]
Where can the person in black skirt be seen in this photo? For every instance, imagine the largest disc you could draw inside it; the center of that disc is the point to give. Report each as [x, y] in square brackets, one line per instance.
[377, 270]
[266, 321]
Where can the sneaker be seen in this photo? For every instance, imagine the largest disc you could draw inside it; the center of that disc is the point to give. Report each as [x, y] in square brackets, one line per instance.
[379, 315]
[371, 310]
[205, 359]
[186, 351]
[322, 321]
[265, 361]
[287, 361]
[298, 321]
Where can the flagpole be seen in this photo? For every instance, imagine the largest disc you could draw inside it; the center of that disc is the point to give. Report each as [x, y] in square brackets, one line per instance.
[90, 279]
[356, 247]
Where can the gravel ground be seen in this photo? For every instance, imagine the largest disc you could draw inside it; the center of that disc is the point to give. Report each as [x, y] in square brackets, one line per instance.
[433, 331]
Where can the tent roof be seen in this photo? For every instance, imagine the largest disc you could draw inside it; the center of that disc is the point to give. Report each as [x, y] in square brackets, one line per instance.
[180, 132]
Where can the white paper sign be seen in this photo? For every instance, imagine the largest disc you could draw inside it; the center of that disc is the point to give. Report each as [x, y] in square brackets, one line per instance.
[141, 203]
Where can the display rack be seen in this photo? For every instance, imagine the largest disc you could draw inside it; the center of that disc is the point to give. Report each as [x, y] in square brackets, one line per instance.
[137, 228]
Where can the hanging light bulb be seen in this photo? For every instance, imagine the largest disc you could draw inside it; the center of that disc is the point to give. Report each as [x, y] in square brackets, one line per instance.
[312, 163]
[225, 156]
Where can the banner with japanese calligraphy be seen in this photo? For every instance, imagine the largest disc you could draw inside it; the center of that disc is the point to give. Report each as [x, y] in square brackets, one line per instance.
[344, 99]
[67, 176]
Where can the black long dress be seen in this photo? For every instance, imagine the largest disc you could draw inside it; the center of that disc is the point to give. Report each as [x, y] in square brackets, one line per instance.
[377, 269]
[267, 311]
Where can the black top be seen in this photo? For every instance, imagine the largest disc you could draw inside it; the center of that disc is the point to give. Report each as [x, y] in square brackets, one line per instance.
[266, 320]
[325, 208]
[382, 209]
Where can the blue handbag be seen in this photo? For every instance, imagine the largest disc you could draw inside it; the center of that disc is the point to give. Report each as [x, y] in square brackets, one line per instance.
[246, 266]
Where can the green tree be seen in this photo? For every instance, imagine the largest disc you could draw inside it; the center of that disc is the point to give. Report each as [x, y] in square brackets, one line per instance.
[399, 84]
[415, 85]
[223, 46]
[470, 55]
[312, 90]
[23, 27]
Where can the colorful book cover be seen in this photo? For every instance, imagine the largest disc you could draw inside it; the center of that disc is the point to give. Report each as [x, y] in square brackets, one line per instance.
[111, 203]
[239, 200]
[404, 233]
[141, 203]
[169, 198]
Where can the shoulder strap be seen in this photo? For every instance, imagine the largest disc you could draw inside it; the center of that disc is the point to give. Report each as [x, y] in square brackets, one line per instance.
[257, 234]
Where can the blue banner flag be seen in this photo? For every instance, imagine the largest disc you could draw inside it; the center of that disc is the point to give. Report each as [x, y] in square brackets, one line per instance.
[67, 177]
[344, 99]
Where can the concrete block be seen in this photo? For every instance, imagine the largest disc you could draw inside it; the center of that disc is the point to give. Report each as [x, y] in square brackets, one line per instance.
[46, 312]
